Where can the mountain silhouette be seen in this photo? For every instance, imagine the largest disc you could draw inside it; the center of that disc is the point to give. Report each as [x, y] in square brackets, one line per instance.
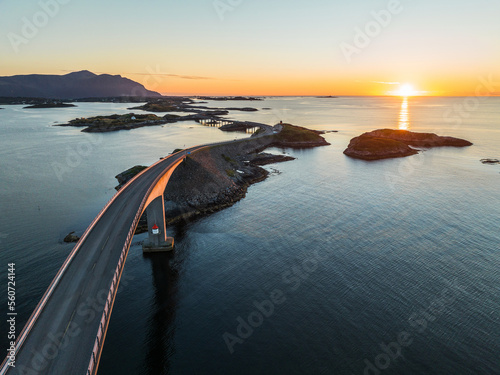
[83, 84]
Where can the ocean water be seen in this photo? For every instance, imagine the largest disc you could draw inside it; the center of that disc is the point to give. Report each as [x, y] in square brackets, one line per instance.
[330, 266]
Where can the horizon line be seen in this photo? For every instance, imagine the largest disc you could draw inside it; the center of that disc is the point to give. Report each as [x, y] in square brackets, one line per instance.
[494, 95]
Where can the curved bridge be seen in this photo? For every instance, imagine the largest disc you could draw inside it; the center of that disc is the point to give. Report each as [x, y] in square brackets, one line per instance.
[66, 332]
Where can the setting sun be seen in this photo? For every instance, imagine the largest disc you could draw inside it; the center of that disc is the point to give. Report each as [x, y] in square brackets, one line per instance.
[405, 90]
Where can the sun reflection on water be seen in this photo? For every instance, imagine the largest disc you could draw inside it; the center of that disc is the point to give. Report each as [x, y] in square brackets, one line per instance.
[404, 115]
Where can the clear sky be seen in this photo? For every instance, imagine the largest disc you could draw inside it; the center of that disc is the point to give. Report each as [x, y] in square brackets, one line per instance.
[260, 47]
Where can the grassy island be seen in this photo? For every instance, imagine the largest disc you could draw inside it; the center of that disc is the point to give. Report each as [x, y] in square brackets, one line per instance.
[115, 122]
[299, 137]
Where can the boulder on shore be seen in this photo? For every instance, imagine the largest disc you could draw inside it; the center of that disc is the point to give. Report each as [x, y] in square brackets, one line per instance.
[390, 143]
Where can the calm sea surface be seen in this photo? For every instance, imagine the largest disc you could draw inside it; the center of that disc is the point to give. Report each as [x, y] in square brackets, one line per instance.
[330, 266]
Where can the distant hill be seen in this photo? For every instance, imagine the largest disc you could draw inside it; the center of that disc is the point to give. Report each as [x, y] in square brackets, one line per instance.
[83, 84]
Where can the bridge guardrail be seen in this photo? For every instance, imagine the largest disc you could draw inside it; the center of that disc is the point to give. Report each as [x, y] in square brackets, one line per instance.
[103, 326]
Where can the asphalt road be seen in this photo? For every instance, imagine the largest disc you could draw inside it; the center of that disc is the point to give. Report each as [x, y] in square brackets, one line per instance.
[60, 337]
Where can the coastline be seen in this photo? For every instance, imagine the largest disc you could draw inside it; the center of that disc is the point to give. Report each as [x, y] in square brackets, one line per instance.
[214, 179]
[219, 176]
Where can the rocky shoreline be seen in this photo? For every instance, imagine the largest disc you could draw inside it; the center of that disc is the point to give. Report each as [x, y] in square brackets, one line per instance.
[215, 179]
[210, 181]
[219, 176]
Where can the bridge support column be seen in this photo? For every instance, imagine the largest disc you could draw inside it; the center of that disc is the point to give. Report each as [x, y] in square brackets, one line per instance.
[157, 240]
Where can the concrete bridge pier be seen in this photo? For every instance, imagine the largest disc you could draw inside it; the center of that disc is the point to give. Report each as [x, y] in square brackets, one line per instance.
[157, 240]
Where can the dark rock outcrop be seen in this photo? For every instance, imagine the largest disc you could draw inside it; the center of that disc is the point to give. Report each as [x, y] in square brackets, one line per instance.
[71, 238]
[490, 161]
[389, 143]
[50, 105]
[265, 159]
[243, 109]
[127, 175]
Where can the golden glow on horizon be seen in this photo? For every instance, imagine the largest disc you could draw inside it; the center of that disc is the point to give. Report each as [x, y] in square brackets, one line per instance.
[405, 90]
[267, 85]
[264, 86]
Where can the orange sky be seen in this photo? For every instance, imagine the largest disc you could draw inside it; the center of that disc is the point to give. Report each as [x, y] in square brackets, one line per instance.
[296, 86]
[322, 47]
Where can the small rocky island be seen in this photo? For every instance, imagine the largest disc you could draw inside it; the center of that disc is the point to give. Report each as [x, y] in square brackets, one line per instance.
[490, 161]
[100, 124]
[390, 143]
[206, 115]
[228, 98]
[185, 105]
[293, 136]
[50, 105]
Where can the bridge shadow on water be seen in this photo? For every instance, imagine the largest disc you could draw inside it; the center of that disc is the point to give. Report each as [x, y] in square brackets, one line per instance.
[165, 269]
[160, 338]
